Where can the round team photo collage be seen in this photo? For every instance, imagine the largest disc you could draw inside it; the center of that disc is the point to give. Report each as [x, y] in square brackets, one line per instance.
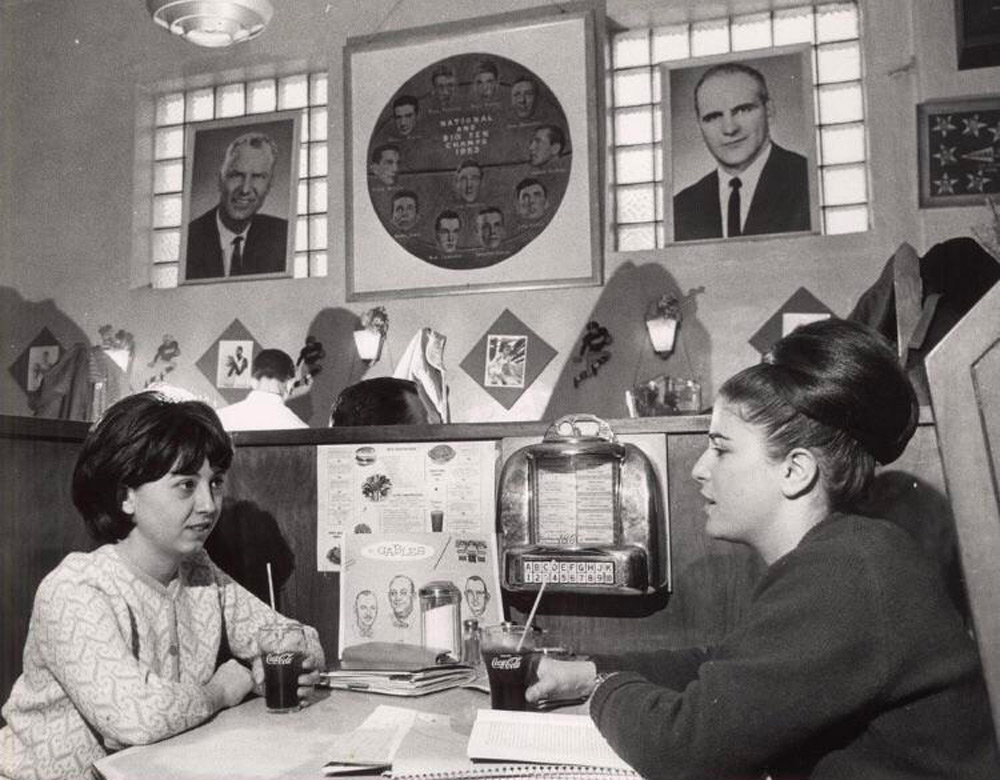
[469, 161]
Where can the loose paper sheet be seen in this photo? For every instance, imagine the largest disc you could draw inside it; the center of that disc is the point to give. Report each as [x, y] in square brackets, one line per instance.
[374, 742]
[402, 488]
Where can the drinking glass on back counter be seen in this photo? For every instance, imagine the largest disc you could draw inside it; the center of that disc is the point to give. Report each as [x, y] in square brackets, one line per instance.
[282, 651]
[506, 649]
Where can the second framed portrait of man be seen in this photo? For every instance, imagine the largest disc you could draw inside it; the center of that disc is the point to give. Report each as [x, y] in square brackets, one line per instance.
[739, 145]
[472, 159]
[239, 198]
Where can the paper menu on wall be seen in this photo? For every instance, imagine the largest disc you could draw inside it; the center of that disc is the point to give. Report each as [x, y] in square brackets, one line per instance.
[383, 573]
[402, 487]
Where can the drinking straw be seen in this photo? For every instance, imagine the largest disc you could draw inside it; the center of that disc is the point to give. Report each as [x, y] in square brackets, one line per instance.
[270, 585]
[534, 608]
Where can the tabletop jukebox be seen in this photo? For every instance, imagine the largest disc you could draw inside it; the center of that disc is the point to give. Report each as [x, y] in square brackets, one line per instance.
[582, 512]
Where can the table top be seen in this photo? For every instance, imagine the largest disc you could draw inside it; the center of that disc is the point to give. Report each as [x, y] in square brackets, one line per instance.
[248, 742]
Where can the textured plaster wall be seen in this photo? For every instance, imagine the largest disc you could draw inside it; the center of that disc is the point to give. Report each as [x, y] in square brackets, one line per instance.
[73, 75]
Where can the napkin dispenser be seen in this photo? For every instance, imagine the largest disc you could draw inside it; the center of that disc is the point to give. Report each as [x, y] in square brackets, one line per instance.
[582, 512]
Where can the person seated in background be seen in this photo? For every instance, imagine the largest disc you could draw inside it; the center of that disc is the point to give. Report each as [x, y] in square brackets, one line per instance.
[264, 407]
[851, 661]
[125, 642]
[384, 400]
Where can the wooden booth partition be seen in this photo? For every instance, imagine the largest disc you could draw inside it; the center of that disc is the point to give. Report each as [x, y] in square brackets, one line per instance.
[270, 516]
[38, 523]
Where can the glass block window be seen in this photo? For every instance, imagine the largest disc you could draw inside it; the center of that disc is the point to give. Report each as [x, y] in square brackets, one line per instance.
[174, 111]
[834, 32]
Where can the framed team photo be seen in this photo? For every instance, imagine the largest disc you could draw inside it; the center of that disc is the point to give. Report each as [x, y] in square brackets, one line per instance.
[739, 146]
[239, 200]
[473, 160]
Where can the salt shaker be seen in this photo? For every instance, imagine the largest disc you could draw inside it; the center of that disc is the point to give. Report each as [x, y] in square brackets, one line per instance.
[470, 643]
[441, 617]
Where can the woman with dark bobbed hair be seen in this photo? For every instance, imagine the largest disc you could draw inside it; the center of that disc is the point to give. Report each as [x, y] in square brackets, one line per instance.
[851, 661]
[125, 642]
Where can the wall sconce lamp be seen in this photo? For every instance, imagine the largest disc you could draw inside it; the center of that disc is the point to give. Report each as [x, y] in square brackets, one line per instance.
[212, 23]
[662, 318]
[371, 335]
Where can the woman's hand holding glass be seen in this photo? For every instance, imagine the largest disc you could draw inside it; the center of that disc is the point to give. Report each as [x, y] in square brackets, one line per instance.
[562, 680]
[308, 680]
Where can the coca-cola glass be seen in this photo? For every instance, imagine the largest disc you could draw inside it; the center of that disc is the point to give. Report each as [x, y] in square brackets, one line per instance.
[282, 650]
[507, 661]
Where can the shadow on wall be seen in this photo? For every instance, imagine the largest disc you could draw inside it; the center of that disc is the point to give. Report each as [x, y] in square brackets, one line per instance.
[621, 309]
[341, 366]
[244, 541]
[20, 322]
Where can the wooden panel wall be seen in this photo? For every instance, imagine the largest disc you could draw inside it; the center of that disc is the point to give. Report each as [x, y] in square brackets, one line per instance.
[38, 526]
[270, 516]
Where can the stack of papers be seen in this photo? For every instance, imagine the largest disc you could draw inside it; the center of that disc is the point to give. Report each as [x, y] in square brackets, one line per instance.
[398, 683]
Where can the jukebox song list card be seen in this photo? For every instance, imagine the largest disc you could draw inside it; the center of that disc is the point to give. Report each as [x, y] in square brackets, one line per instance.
[436, 487]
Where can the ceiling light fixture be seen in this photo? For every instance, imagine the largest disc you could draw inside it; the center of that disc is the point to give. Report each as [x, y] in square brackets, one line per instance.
[212, 23]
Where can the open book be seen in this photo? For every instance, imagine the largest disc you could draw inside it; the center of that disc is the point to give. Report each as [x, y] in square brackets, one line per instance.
[544, 738]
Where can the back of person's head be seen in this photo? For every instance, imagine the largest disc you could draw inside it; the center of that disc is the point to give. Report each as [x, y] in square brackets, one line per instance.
[273, 364]
[138, 440]
[836, 388]
[385, 400]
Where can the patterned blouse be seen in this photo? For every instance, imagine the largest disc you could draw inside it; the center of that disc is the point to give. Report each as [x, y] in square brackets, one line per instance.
[114, 658]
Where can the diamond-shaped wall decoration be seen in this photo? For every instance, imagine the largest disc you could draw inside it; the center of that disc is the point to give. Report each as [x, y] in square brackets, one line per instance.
[40, 355]
[507, 359]
[228, 363]
[801, 308]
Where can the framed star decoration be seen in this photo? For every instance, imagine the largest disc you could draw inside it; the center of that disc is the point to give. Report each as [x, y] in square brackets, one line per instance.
[228, 363]
[959, 148]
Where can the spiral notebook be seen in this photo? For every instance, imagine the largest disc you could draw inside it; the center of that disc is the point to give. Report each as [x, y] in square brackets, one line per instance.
[517, 771]
[543, 738]
[513, 745]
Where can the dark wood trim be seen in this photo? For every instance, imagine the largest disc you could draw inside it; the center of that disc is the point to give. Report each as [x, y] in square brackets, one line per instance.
[12, 427]
[455, 431]
[40, 429]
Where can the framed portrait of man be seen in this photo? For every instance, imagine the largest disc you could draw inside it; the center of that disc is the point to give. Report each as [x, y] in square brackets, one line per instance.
[739, 146]
[239, 198]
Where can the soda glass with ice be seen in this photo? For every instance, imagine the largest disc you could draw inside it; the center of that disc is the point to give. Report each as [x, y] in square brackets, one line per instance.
[506, 665]
[282, 651]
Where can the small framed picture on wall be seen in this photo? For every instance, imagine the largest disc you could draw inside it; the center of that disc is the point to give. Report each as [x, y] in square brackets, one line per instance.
[234, 364]
[239, 198]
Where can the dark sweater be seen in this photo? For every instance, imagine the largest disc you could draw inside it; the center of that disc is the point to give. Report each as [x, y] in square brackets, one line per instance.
[852, 664]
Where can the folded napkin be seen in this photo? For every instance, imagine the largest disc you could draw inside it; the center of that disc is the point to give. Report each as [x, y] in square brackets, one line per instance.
[423, 363]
